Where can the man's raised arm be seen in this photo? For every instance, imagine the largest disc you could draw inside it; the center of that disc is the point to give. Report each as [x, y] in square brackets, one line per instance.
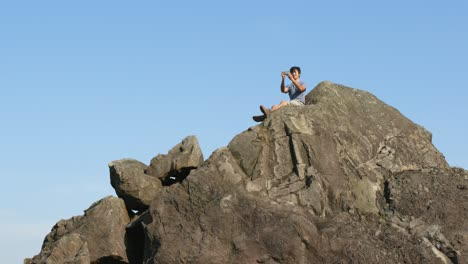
[298, 85]
[284, 89]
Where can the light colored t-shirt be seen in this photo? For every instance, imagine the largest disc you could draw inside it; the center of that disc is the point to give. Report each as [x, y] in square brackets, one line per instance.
[295, 93]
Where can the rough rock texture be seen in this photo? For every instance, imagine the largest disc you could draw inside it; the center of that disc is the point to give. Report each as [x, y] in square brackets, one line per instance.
[132, 184]
[432, 205]
[178, 163]
[96, 237]
[344, 179]
[345, 143]
[210, 218]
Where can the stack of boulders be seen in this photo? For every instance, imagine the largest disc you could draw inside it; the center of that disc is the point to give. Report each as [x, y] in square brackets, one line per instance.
[101, 235]
[344, 179]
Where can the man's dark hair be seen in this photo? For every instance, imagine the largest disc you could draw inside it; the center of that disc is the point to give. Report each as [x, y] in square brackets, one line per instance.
[295, 68]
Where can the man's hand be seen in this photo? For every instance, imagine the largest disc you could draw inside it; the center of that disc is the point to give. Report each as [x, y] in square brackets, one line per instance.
[284, 74]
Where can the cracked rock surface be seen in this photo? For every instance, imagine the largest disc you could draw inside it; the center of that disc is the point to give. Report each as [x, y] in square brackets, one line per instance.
[344, 179]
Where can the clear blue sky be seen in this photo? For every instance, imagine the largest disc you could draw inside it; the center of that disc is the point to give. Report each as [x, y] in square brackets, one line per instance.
[87, 82]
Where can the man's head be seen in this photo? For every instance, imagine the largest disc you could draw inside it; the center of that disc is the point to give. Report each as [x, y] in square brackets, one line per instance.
[295, 69]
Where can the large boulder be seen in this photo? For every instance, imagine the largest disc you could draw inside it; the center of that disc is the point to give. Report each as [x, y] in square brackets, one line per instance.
[96, 237]
[131, 183]
[177, 164]
[342, 145]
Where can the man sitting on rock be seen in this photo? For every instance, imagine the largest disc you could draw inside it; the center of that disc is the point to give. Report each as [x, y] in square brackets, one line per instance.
[295, 90]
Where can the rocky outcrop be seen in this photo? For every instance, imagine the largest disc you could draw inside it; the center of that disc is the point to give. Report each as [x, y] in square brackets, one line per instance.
[96, 237]
[345, 142]
[138, 184]
[178, 163]
[131, 183]
[344, 179]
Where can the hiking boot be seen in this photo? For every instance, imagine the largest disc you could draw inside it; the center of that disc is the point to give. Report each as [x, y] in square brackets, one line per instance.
[264, 110]
[259, 118]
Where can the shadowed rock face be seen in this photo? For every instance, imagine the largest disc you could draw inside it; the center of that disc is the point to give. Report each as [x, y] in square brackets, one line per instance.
[344, 179]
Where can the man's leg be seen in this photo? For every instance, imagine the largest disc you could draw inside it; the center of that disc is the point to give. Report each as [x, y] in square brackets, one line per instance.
[276, 107]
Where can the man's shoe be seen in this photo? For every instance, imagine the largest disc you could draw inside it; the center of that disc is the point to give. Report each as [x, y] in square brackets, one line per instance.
[264, 110]
[259, 118]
